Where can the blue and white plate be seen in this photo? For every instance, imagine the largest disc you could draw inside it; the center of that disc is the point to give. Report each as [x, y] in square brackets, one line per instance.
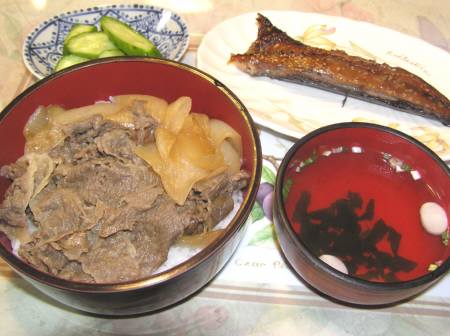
[43, 47]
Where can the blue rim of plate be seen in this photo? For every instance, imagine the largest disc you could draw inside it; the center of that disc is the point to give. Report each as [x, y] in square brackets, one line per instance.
[44, 45]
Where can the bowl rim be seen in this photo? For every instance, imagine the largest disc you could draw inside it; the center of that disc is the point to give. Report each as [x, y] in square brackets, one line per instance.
[321, 265]
[238, 221]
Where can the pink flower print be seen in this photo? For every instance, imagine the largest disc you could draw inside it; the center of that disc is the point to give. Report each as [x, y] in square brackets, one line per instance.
[352, 11]
[430, 33]
[211, 317]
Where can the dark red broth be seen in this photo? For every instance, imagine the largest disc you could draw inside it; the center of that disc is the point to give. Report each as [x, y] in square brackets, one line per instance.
[396, 195]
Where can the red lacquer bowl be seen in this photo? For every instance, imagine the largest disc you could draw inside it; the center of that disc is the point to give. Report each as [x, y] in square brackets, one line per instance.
[354, 190]
[98, 80]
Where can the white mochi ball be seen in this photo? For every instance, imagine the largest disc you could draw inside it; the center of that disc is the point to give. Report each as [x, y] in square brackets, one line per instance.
[433, 218]
[334, 262]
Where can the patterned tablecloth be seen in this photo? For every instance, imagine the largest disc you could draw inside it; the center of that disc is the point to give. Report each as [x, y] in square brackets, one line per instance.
[256, 293]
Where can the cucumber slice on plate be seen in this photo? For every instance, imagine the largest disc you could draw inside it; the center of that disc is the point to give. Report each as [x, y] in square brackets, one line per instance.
[128, 40]
[89, 45]
[77, 29]
[68, 60]
[111, 53]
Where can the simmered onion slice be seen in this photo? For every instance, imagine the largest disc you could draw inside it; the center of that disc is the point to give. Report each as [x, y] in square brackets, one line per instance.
[177, 175]
[200, 240]
[190, 147]
[40, 133]
[220, 131]
[154, 106]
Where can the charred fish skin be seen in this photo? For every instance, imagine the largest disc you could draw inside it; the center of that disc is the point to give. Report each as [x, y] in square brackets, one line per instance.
[276, 55]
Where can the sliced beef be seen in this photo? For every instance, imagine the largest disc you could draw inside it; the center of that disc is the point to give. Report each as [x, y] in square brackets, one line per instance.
[28, 182]
[60, 212]
[145, 197]
[169, 216]
[210, 188]
[54, 260]
[31, 174]
[79, 143]
[152, 243]
[44, 257]
[74, 245]
[100, 211]
[74, 272]
[144, 123]
[111, 260]
[134, 210]
[116, 143]
[30, 254]
[82, 141]
[209, 202]
[240, 180]
[14, 170]
[112, 220]
[105, 179]
[219, 208]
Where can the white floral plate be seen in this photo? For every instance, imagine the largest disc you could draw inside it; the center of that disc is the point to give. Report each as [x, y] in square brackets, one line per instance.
[295, 110]
[44, 45]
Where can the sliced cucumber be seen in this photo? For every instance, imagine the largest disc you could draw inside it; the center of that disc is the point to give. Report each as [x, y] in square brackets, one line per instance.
[68, 60]
[77, 29]
[111, 53]
[89, 45]
[128, 40]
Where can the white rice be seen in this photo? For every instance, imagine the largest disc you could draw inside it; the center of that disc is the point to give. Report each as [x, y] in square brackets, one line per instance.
[15, 245]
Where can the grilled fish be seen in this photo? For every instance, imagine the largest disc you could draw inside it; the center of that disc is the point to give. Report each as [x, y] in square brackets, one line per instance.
[274, 54]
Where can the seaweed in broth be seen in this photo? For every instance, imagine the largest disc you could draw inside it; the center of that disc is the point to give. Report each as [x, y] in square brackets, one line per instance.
[340, 207]
[336, 230]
